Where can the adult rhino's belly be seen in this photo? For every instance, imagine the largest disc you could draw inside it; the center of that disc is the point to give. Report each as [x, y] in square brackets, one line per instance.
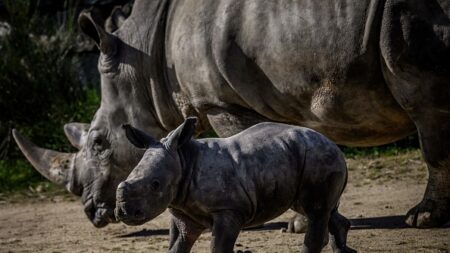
[309, 64]
[361, 116]
[313, 72]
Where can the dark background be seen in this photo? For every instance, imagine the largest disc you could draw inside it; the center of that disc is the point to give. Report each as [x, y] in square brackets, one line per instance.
[48, 77]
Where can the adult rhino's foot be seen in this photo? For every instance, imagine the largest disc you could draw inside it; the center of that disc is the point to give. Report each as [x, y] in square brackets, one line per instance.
[429, 213]
[297, 224]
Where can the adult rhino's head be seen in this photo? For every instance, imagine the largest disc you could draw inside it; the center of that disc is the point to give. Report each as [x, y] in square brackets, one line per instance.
[91, 173]
[153, 184]
[105, 156]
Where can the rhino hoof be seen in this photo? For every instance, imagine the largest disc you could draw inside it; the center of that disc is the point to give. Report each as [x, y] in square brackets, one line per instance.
[428, 213]
[345, 250]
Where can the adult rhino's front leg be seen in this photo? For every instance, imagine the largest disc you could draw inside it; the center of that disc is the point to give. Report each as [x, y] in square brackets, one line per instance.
[229, 121]
[415, 47]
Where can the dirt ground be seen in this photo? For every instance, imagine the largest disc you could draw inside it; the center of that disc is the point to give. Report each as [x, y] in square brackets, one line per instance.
[379, 193]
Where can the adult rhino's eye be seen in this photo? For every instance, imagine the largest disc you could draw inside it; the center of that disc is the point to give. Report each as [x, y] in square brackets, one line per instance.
[155, 184]
[98, 144]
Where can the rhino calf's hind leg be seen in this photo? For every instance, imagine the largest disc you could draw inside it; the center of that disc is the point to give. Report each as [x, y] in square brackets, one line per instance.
[316, 236]
[339, 226]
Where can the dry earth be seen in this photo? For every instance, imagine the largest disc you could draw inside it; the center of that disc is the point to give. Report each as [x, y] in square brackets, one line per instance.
[380, 191]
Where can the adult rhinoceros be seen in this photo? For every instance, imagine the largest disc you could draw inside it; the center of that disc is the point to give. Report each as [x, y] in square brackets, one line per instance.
[361, 72]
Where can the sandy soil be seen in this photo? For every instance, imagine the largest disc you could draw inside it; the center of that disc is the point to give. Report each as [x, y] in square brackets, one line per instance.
[379, 193]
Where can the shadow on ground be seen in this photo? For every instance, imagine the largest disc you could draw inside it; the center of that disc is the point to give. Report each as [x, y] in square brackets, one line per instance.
[383, 222]
[146, 233]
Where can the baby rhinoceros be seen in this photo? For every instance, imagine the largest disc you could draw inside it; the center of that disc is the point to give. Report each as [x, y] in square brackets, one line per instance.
[227, 184]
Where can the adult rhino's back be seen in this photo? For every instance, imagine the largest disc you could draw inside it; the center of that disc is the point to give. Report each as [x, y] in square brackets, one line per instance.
[302, 62]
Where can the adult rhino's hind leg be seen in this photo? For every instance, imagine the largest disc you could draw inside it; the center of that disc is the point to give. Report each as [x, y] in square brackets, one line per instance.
[434, 209]
[415, 45]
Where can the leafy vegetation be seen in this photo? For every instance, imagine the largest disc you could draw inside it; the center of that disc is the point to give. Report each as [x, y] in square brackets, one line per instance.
[407, 144]
[40, 87]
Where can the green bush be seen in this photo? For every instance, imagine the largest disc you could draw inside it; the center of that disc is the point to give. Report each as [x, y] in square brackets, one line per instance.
[40, 89]
[407, 144]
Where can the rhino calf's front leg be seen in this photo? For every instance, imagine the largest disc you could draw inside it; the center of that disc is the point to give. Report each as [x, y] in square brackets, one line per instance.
[183, 233]
[225, 230]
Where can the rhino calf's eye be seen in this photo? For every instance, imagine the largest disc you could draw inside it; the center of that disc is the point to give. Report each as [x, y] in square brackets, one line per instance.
[155, 185]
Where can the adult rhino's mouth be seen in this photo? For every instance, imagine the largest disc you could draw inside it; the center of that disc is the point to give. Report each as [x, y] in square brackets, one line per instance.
[100, 215]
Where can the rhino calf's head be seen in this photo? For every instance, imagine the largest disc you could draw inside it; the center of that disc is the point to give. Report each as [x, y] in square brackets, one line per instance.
[153, 183]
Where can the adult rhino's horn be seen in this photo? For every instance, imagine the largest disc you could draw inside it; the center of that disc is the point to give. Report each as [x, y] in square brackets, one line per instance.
[53, 165]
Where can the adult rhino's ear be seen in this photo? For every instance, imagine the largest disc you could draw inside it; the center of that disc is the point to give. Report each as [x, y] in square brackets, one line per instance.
[137, 137]
[76, 133]
[115, 20]
[182, 134]
[91, 24]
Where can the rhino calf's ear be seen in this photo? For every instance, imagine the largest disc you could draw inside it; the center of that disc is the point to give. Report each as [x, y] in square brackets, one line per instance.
[137, 137]
[182, 134]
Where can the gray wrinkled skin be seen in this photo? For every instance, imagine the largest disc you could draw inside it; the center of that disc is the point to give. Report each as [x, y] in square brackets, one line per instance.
[227, 184]
[363, 73]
